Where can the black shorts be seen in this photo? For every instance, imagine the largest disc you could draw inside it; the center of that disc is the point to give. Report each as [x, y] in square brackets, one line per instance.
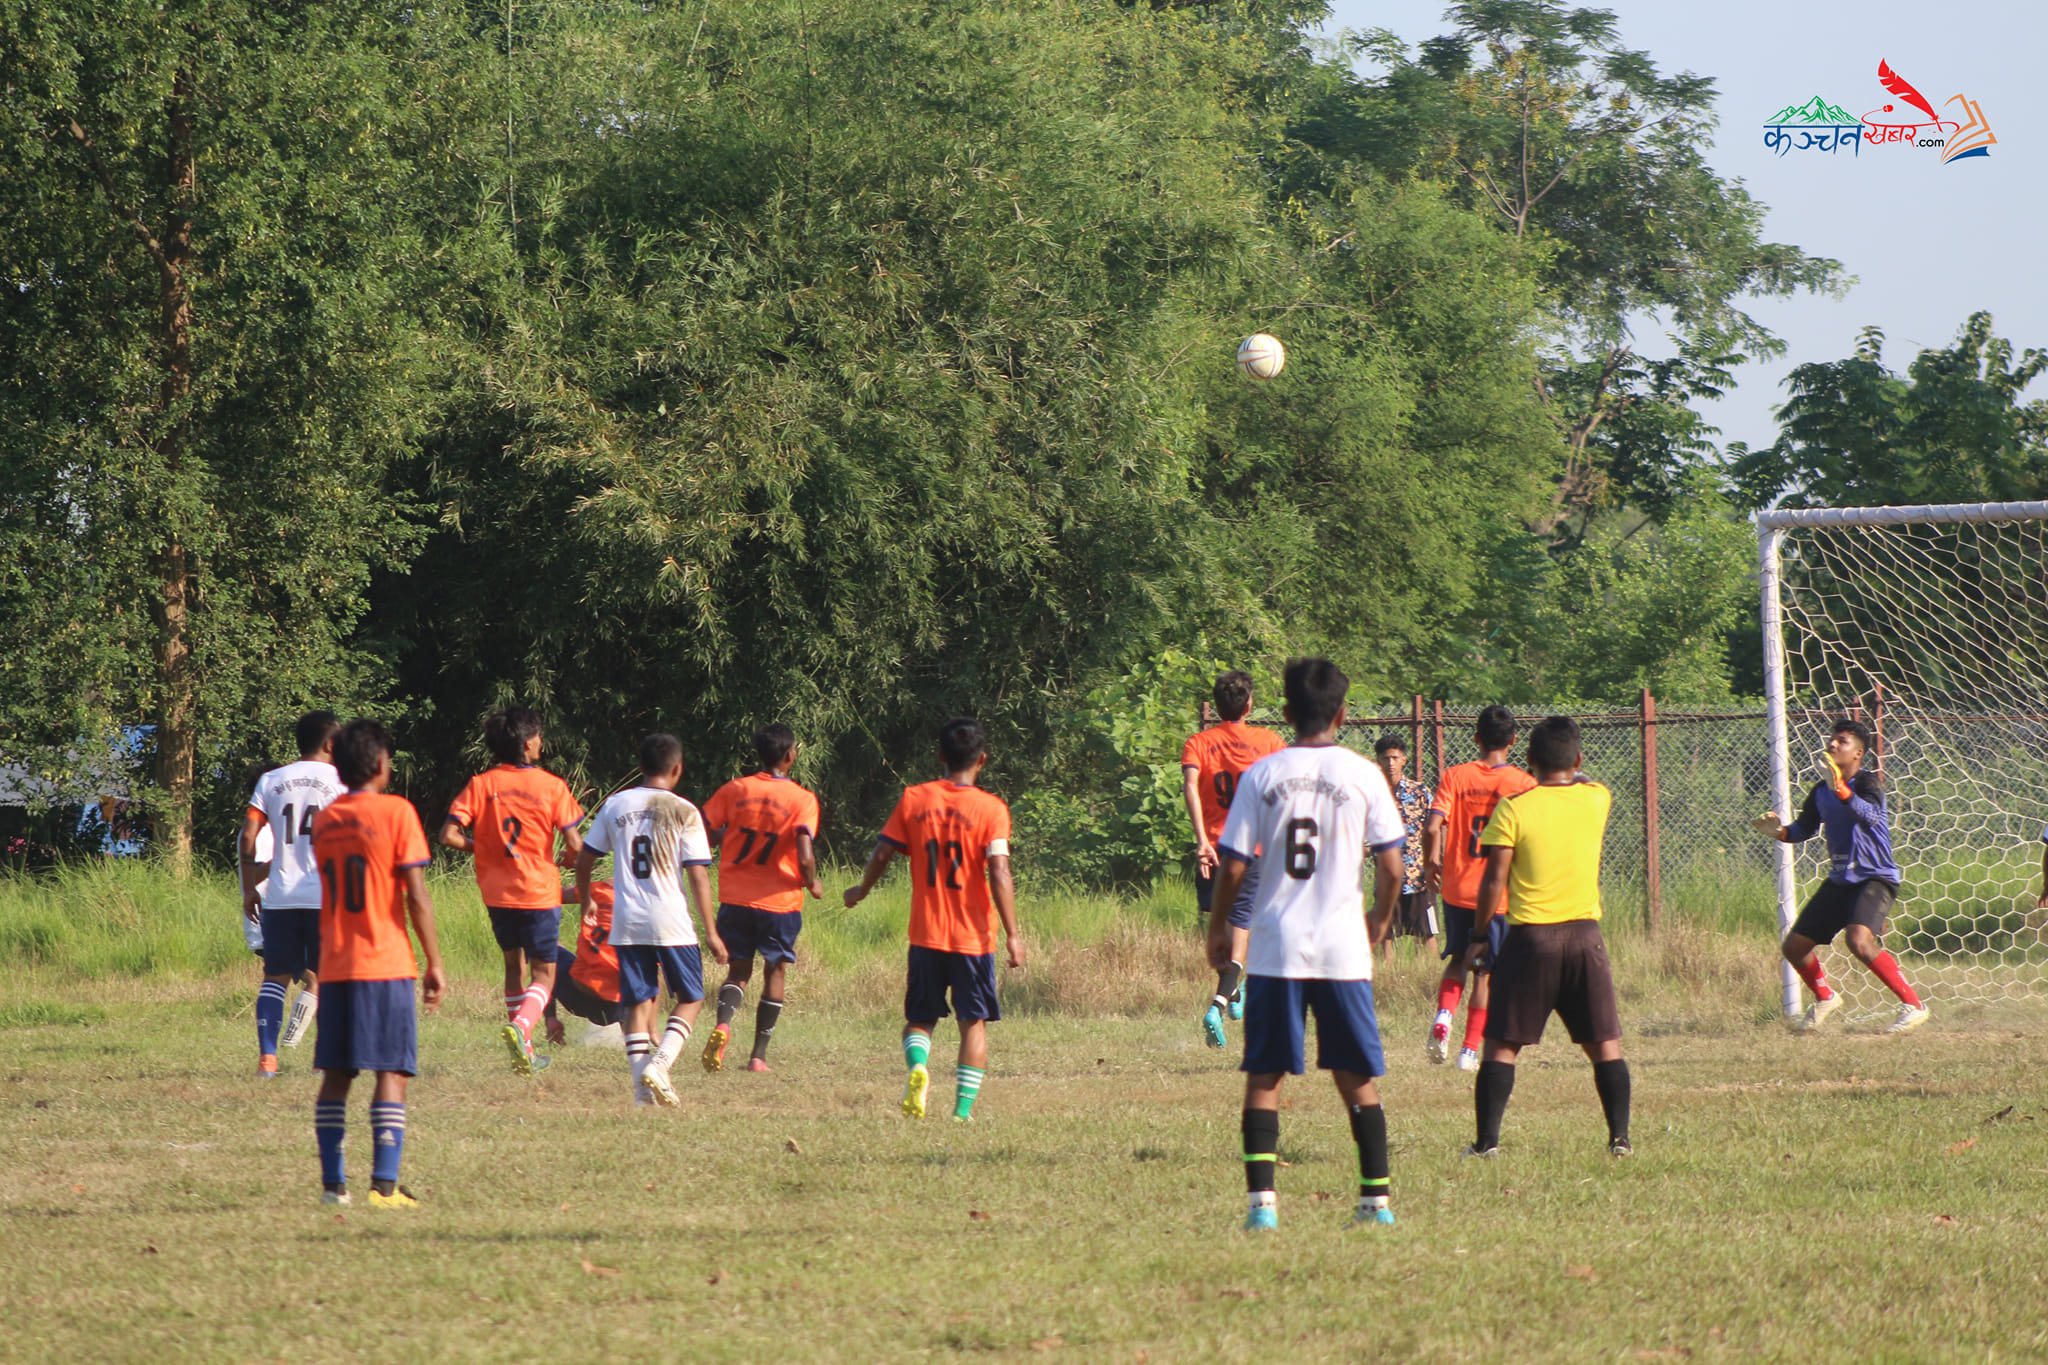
[1835, 907]
[1415, 916]
[1546, 967]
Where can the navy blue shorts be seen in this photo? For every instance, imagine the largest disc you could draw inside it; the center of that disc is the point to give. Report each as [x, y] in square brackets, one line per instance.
[1276, 1010]
[643, 965]
[291, 942]
[1458, 921]
[366, 1026]
[537, 933]
[767, 934]
[1241, 908]
[971, 977]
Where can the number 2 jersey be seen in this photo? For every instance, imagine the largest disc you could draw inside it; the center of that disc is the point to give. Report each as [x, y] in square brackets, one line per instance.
[365, 841]
[1317, 814]
[950, 832]
[652, 836]
[1219, 755]
[514, 814]
[288, 798]
[757, 863]
[1465, 798]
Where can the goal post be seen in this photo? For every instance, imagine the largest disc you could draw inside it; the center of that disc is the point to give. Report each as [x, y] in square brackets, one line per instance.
[1930, 624]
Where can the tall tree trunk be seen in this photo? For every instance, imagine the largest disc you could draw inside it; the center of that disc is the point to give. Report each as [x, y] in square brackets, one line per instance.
[176, 721]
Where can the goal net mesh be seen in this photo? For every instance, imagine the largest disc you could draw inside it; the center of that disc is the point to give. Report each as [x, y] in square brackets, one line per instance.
[1935, 634]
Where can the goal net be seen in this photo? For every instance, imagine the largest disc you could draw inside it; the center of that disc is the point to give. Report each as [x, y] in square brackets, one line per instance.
[1929, 624]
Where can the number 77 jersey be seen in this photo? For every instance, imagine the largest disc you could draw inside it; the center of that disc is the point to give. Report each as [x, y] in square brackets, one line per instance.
[762, 816]
[1318, 814]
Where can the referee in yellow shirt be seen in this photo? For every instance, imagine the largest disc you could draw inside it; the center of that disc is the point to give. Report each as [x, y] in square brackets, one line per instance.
[1542, 852]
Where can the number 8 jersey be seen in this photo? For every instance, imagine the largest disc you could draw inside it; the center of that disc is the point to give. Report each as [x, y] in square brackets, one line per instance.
[652, 836]
[1317, 813]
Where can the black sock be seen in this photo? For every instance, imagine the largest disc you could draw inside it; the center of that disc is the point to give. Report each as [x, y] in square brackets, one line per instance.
[730, 997]
[1611, 1080]
[1369, 1131]
[765, 1016]
[1490, 1100]
[1226, 982]
[1261, 1148]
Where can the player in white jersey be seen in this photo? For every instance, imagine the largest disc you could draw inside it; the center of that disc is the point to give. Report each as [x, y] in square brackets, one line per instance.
[281, 885]
[658, 842]
[1318, 814]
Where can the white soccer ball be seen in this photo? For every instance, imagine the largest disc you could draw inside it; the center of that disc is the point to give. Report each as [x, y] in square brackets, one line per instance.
[1261, 356]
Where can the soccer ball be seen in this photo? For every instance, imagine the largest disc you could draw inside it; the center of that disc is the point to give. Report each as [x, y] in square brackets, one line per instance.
[1261, 356]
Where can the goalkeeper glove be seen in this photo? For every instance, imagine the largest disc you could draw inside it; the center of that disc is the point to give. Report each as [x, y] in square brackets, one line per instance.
[1836, 781]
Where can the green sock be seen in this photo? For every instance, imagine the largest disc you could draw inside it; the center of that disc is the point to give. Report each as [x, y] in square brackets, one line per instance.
[916, 1047]
[966, 1085]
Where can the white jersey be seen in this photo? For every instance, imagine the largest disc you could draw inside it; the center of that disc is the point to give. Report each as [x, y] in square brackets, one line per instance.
[288, 798]
[252, 929]
[649, 903]
[1317, 814]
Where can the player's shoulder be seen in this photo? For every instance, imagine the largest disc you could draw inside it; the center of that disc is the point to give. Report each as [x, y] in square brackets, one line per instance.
[1263, 739]
[1867, 785]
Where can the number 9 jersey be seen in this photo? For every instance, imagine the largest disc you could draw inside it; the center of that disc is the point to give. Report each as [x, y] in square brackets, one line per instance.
[364, 841]
[1317, 813]
[1219, 756]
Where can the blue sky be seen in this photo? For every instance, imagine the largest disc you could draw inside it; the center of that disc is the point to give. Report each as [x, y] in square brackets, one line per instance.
[1928, 243]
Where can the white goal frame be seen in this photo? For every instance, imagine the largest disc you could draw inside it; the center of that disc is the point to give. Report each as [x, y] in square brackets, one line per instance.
[1770, 528]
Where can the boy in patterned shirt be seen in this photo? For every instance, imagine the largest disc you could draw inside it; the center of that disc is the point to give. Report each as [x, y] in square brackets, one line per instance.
[1415, 912]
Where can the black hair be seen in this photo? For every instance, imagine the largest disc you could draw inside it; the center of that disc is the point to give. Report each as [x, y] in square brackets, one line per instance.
[1388, 742]
[1845, 726]
[1554, 745]
[1233, 694]
[1495, 728]
[1315, 690]
[358, 746]
[659, 752]
[772, 743]
[961, 741]
[313, 730]
[506, 733]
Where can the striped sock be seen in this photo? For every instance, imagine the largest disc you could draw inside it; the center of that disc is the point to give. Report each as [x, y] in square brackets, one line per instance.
[639, 1050]
[1261, 1129]
[767, 1015]
[966, 1085]
[730, 997]
[1369, 1131]
[512, 1004]
[917, 1050]
[387, 1137]
[330, 1126]
[530, 1006]
[302, 1016]
[674, 1038]
[269, 1017]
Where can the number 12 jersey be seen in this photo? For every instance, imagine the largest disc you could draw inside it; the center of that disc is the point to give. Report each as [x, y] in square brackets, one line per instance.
[1317, 813]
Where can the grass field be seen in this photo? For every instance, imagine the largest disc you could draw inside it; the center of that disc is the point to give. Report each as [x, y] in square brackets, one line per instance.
[1842, 1197]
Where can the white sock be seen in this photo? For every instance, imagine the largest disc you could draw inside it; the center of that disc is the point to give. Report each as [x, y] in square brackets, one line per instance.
[674, 1039]
[1265, 1199]
[302, 1015]
[639, 1048]
[1445, 1017]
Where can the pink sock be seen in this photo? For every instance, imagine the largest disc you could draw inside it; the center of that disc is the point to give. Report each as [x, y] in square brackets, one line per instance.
[1448, 994]
[530, 1006]
[1887, 969]
[1810, 972]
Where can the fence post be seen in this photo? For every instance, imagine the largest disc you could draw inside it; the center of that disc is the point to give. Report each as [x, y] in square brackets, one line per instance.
[1653, 872]
[1439, 742]
[1415, 739]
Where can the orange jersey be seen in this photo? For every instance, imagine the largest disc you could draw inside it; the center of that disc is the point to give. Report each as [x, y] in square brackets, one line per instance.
[950, 831]
[364, 841]
[1219, 755]
[597, 962]
[514, 815]
[1465, 798]
[757, 864]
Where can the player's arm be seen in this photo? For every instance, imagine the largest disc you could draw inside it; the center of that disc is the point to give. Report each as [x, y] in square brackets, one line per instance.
[253, 821]
[699, 878]
[1433, 851]
[1387, 876]
[456, 835]
[433, 982]
[586, 859]
[572, 845]
[878, 863]
[2042, 903]
[1191, 792]
[1230, 869]
[1862, 796]
[1003, 888]
[1798, 832]
[1493, 895]
[807, 864]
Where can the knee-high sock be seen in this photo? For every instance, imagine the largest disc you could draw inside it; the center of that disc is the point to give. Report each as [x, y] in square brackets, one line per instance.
[1887, 968]
[302, 1015]
[1261, 1129]
[1369, 1131]
[639, 1050]
[1226, 982]
[767, 1015]
[1816, 979]
[330, 1128]
[1611, 1080]
[1448, 994]
[530, 1006]
[675, 1036]
[730, 997]
[1475, 1027]
[269, 1017]
[966, 1085]
[387, 1134]
[917, 1050]
[512, 1004]
[1490, 1101]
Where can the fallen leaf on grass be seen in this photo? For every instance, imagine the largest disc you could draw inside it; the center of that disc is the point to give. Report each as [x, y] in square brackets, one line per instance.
[1322, 1196]
[650, 1189]
[1237, 1293]
[565, 1206]
[1581, 1272]
[2001, 1114]
[789, 1145]
[1943, 1218]
[609, 1272]
[977, 1216]
[716, 1277]
[1957, 1148]
[78, 1189]
[149, 1251]
[1051, 1343]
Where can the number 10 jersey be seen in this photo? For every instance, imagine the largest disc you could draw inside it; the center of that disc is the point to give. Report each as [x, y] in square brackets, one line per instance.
[652, 836]
[1317, 813]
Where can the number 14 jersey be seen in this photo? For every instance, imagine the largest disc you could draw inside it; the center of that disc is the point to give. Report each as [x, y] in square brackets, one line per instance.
[1317, 814]
[652, 836]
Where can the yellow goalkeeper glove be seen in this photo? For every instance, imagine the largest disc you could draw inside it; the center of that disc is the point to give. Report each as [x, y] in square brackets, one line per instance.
[1836, 781]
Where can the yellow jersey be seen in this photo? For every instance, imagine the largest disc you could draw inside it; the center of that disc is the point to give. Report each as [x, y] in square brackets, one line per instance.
[1557, 834]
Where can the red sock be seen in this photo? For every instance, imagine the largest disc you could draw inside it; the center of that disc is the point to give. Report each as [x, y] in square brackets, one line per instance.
[1887, 969]
[1448, 994]
[530, 1006]
[1475, 1027]
[1810, 972]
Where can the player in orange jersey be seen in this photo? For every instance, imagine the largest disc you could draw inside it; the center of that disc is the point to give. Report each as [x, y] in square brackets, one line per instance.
[509, 817]
[587, 976]
[957, 838]
[1210, 763]
[1465, 798]
[372, 856]
[763, 826]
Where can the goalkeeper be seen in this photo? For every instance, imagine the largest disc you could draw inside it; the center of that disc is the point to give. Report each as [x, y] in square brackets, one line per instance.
[1862, 883]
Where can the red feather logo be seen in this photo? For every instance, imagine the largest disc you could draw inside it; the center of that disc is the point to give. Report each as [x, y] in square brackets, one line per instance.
[1902, 89]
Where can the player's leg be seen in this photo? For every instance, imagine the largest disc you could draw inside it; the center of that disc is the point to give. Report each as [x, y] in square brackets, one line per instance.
[736, 927]
[1481, 999]
[683, 968]
[330, 1132]
[1870, 905]
[926, 978]
[1825, 914]
[974, 1000]
[1524, 983]
[387, 1134]
[1274, 1041]
[285, 955]
[1219, 1000]
[767, 1014]
[269, 1023]
[1241, 935]
[529, 938]
[509, 944]
[1348, 1047]
[639, 988]
[1586, 1006]
[304, 1005]
[1450, 988]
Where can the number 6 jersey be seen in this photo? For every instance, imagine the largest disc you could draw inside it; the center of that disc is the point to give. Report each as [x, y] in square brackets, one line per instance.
[1316, 813]
[652, 836]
